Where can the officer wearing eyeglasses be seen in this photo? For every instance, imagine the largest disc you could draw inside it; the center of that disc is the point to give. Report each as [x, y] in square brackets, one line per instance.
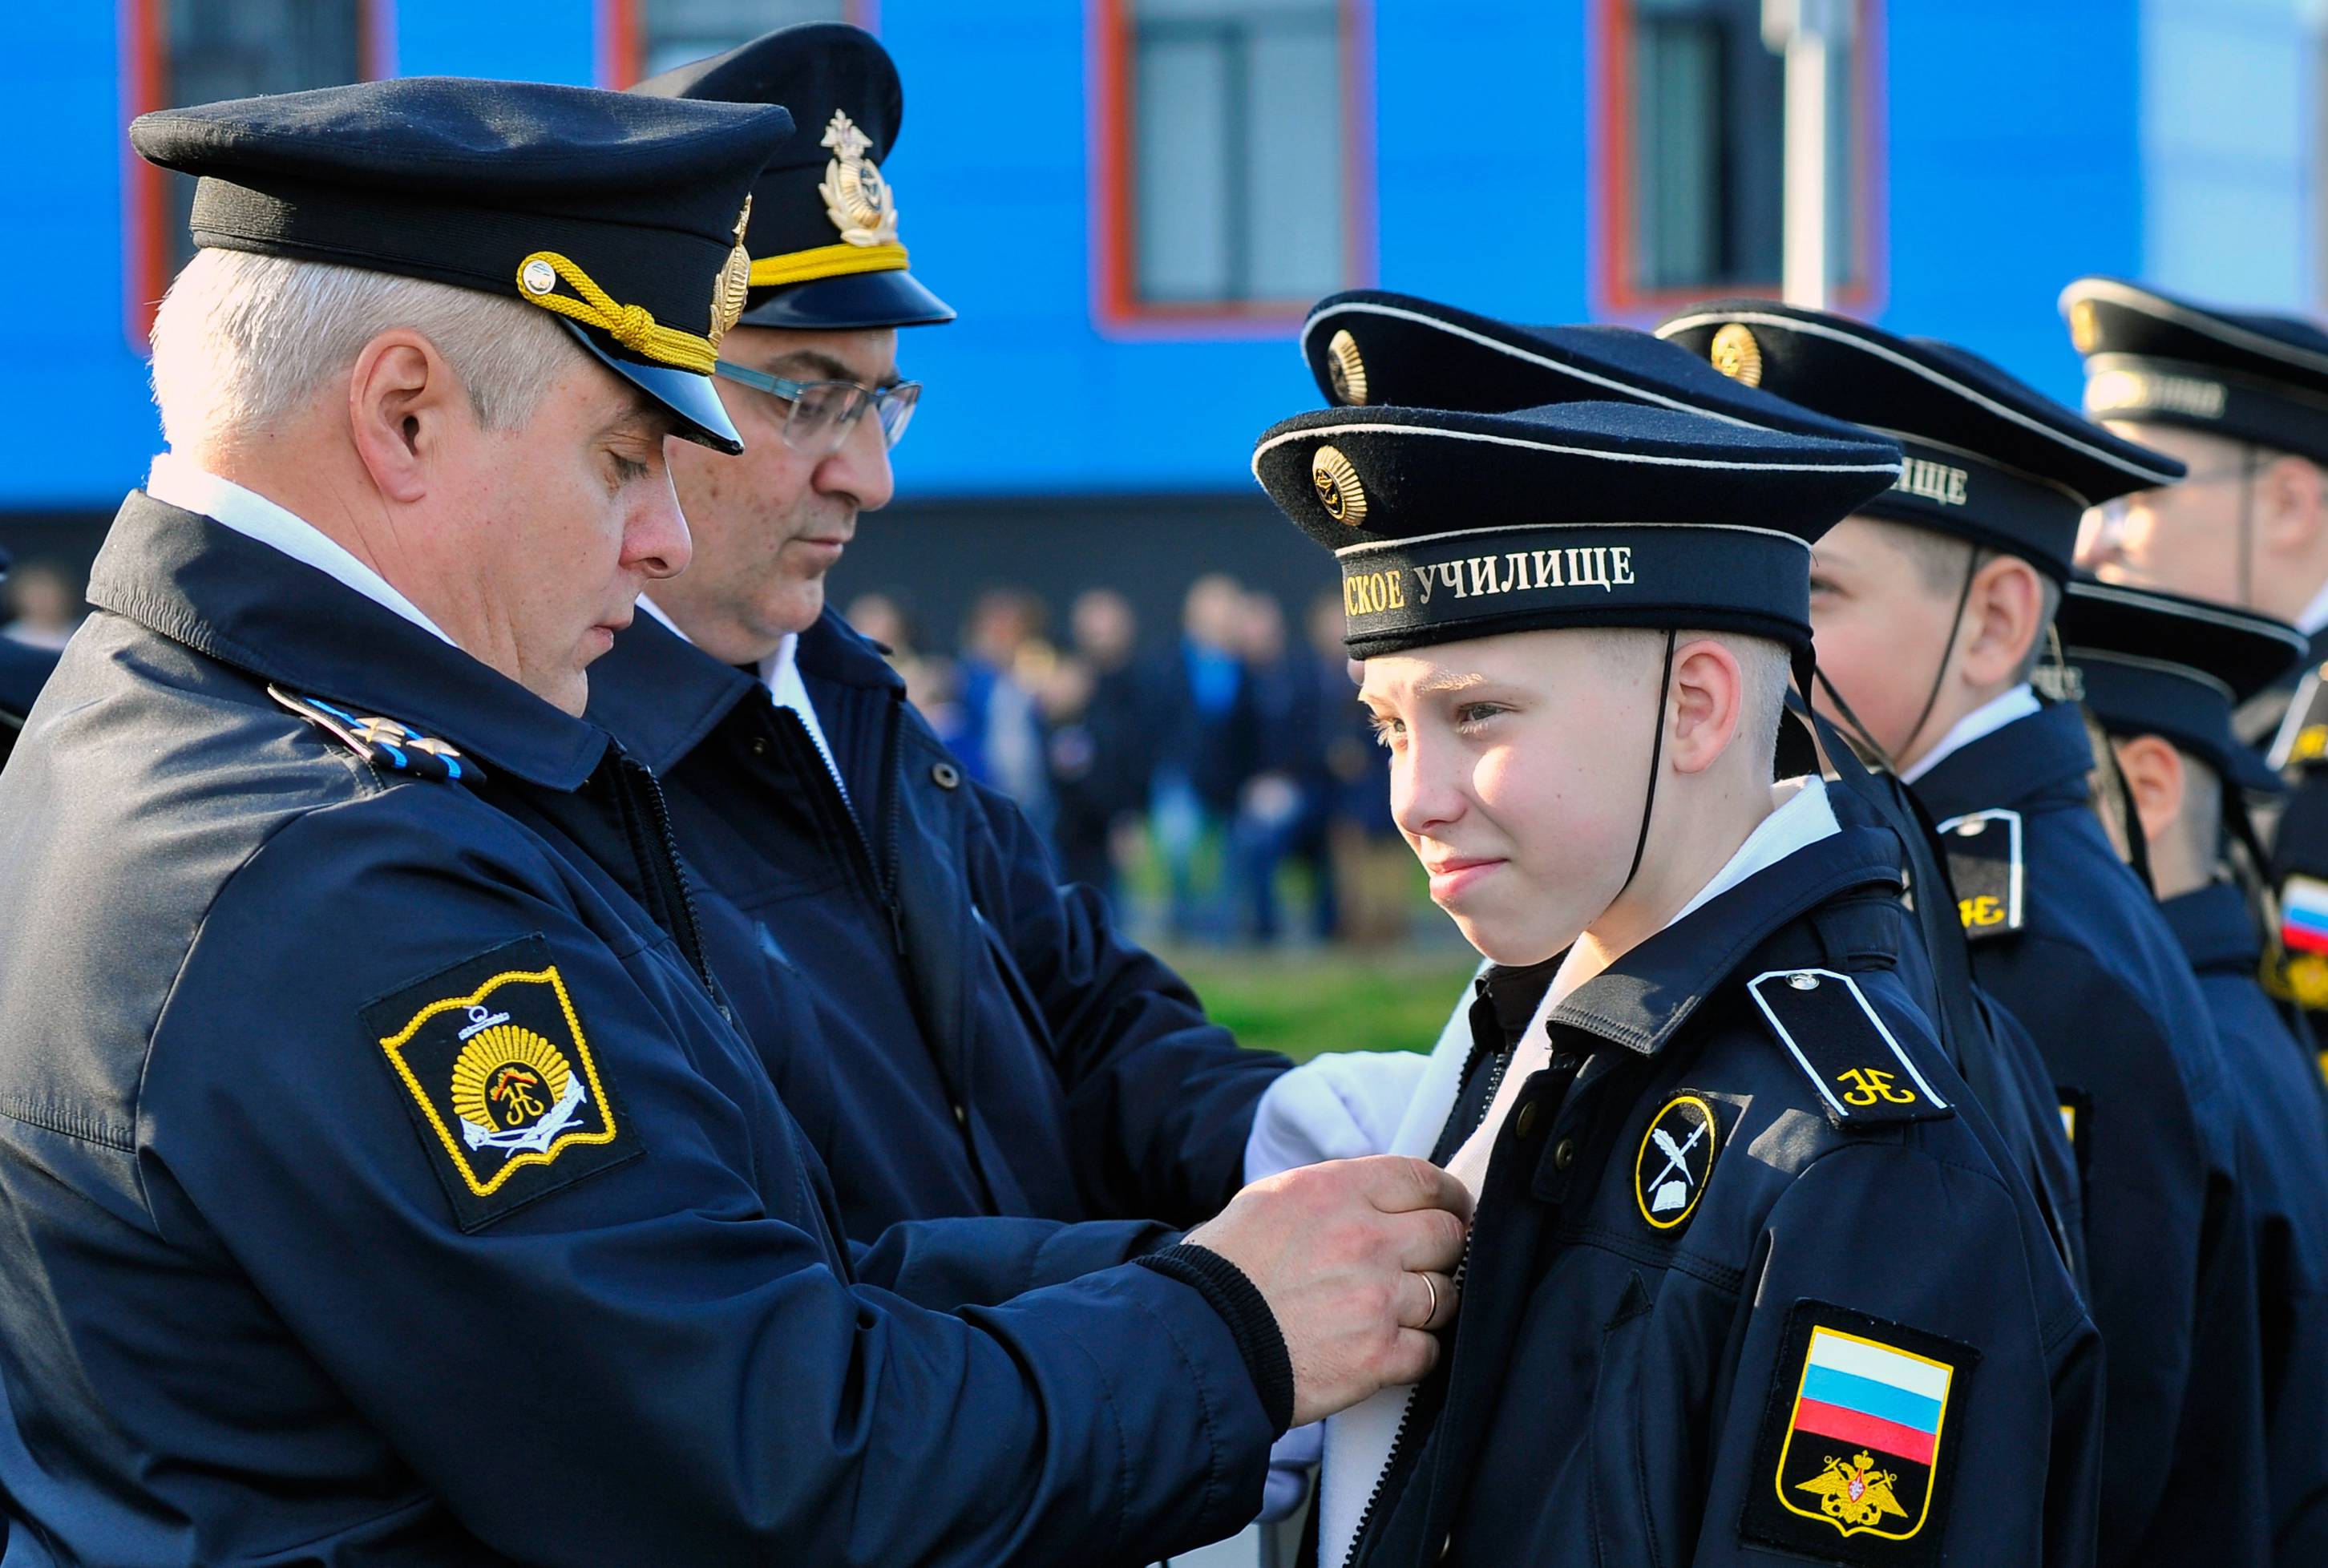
[957, 1033]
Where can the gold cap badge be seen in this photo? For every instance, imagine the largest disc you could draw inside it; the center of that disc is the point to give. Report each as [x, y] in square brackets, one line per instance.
[857, 198]
[1338, 490]
[1736, 354]
[735, 281]
[2085, 331]
[1346, 368]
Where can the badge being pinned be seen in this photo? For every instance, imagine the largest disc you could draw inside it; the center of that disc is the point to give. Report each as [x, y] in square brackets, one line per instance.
[502, 1086]
[1854, 1459]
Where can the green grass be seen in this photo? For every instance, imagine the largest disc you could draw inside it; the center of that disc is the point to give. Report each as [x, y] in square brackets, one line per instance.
[1332, 999]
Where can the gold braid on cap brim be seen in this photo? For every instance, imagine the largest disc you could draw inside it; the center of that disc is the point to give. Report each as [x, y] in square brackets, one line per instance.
[632, 326]
[842, 260]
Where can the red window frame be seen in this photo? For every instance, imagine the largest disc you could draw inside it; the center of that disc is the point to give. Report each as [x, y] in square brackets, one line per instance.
[622, 37]
[1616, 296]
[147, 225]
[1116, 303]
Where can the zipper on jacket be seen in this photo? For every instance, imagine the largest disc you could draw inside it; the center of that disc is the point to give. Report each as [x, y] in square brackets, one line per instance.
[672, 882]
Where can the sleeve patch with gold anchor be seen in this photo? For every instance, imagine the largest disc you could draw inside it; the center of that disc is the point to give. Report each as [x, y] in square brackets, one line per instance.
[503, 1090]
[1984, 863]
[1858, 1452]
[1843, 1047]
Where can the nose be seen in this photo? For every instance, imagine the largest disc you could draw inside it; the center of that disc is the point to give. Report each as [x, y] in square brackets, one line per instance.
[859, 469]
[1426, 790]
[2101, 535]
[656, 541]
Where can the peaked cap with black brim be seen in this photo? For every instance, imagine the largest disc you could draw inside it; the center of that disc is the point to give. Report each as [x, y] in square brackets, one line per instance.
[619, 215]
[1451, 525]
[824, 235]
[2159, 663]
[2243, 375]
[1368, 346]
[1987, 457]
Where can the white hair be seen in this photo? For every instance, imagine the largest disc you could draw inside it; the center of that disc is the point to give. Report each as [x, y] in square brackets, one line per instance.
[242, 341]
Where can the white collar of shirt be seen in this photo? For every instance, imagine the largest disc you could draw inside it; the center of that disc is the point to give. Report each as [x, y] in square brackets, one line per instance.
[2315, 614]
[1805, 819]
[175, 481]
[1986, 720]
[780, 673]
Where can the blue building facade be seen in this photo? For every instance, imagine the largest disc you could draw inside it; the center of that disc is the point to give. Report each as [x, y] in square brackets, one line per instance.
[1129, 201]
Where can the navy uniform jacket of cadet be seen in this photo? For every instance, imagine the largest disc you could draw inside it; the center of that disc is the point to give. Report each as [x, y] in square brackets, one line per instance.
[983, 1041]
[2063, 933]
[253, 1301]
[1735, 1238]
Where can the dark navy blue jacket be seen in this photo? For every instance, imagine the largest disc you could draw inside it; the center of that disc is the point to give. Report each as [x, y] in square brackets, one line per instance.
[983, 1041]
[2087, 965]
[1625, 1374]
[278, 1282]
[2287, 1119]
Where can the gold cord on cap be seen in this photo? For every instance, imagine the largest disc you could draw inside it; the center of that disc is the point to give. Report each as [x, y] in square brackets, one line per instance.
[632, 326]
[827, 261]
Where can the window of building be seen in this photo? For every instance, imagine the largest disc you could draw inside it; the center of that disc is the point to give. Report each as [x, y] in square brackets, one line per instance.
[185, 52]
[1234, 149]
[647, 37]
[1692, 195]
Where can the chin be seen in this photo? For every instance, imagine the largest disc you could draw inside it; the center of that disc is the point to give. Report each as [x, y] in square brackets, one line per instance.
[1511, 942]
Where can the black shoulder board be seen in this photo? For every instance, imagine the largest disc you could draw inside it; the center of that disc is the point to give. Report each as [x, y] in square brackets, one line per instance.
[383, 742]
[1846, 1050]
[1984, 863]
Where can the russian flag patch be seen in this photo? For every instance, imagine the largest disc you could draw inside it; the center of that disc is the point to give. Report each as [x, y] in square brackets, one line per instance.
[2304, 915]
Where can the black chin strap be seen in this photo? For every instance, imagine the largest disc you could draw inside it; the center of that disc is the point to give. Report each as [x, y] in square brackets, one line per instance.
[1656, 757]
[2137, 843]
[1947, 652]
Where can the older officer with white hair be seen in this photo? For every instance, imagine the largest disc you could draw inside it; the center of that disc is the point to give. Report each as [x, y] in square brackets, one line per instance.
[381, 1178]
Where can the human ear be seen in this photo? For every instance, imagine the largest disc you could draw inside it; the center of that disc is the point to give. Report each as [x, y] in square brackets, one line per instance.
[2005, 614]
[2291, 507]
[1706, 700]
[2153, 770]
[404, 404]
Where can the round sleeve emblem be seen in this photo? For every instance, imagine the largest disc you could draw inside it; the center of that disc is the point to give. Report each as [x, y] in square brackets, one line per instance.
[1675, 1160]
[1338, 490]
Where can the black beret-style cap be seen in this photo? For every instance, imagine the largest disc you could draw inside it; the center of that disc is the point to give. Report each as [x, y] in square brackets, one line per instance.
[1453, 525]
[2244, 376]
[619, 214]
[1987, 457]
[825, 253]
[2158, 663]
[1373, 346]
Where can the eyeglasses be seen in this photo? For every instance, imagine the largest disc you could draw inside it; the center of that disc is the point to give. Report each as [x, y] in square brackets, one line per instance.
[823, 413]
[2103, 528]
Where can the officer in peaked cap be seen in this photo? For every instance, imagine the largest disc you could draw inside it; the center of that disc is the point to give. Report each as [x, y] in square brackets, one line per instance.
[23, 669]
[850, 864]
[1368, 344]
[1932, 605]
[2242, 398]
[1695, 1062]
[2162, 673]
[384, 1179]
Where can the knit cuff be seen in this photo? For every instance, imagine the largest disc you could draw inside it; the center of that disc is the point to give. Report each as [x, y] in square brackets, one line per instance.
[1251, 1323]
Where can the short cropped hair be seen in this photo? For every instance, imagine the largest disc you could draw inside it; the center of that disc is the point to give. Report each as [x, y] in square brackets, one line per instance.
[242, 341]
[1765, 670]
[1944, 563]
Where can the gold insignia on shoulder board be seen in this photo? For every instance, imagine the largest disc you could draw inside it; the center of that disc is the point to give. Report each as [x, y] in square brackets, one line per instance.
[1346, 367]
[1736, 354]
[1338, 490]
[2085, 331]
[857, 199]
[735, 282]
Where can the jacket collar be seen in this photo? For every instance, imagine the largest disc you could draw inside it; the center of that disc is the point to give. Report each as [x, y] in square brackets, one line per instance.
[245, 604]
[2039, 762]
[660, 694]
[1643, 1000]
[2216, 928]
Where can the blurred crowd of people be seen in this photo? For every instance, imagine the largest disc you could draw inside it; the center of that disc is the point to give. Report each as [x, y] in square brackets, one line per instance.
[1233, 759]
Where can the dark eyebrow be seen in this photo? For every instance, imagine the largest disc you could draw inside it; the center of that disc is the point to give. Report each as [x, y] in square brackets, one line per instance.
[815, 365]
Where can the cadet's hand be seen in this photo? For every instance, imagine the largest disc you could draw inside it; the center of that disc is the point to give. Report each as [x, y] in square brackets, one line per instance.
[1341, 1253]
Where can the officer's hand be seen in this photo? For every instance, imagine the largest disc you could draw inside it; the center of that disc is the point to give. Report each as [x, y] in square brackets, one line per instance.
[1340, 1252]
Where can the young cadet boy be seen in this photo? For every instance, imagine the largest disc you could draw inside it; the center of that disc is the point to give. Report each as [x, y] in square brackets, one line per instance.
[1745, 1284]
[2162, 673]
[1373, 346]
[2242, 399]
[1932, 606]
